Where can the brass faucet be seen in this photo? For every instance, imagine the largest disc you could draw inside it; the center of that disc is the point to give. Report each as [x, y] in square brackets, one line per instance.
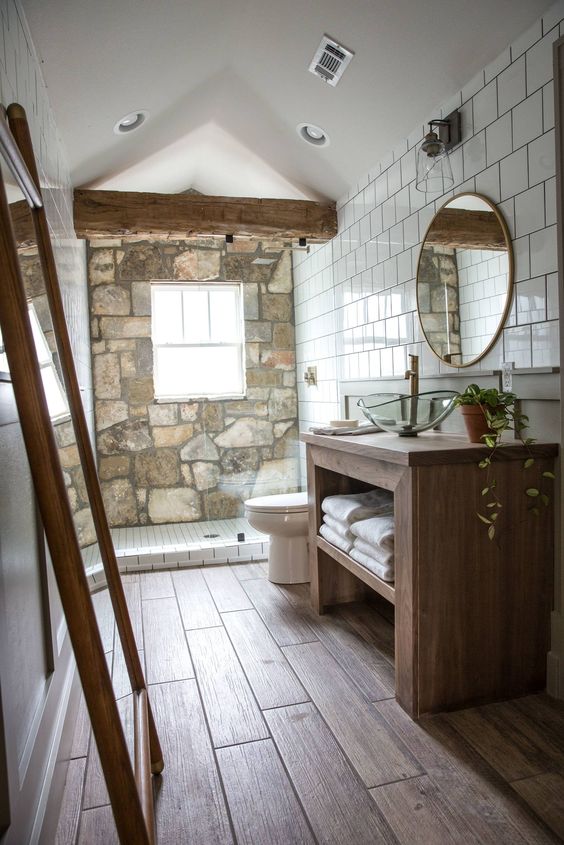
[413, 374]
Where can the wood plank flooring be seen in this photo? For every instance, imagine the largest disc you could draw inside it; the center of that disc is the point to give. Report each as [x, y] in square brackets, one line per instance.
[264, 806]
[279, 727]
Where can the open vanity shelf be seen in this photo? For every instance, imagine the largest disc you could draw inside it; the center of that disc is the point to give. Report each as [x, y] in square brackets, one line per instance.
[383, 588]
[472, 615]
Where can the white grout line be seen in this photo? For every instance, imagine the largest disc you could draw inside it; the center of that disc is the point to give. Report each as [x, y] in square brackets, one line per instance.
[173, 545]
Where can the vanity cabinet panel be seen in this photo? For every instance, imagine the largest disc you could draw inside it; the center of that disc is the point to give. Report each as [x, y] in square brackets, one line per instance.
[472, 615]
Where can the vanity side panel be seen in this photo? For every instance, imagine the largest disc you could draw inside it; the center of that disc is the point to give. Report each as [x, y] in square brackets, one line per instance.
[314, 520]
[484, 606]
[406, 587]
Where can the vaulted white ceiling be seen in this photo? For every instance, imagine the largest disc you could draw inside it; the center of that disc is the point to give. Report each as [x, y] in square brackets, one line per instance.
[226, 83]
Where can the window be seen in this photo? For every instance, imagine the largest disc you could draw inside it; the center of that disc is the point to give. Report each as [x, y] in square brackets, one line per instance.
[54, 392]
[198, 340]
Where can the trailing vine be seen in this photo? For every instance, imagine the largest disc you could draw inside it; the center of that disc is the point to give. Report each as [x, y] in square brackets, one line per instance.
[502, 414]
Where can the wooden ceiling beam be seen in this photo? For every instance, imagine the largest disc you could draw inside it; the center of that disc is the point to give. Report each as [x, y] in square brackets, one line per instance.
[461, 228]
[103, 214]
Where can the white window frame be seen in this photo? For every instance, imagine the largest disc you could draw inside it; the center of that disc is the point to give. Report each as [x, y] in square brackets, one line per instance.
[207, 286]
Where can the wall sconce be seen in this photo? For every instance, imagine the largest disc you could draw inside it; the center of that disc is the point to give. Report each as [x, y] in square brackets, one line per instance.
[434, 173]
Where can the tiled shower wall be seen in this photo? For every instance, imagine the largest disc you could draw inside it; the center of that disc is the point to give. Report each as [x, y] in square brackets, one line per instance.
[355, 296]
[21, 81]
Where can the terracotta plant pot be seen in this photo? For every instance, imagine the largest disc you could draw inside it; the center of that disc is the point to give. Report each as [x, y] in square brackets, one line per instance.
[475, 421]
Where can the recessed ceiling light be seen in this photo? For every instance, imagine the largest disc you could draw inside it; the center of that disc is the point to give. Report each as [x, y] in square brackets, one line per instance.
[313, 134]
[131, 121]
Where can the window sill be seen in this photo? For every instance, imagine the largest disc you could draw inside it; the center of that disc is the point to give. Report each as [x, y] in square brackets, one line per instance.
[229, 397]
[62, 418]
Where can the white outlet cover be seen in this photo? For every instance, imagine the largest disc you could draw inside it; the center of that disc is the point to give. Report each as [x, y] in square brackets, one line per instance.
[507, 375]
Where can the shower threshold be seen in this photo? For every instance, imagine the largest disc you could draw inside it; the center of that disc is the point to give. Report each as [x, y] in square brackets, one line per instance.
[179, 545]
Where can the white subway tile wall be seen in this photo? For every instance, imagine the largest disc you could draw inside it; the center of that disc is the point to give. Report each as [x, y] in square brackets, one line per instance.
[355, 300]
[482, 286]
[546, 344]
[21, 81]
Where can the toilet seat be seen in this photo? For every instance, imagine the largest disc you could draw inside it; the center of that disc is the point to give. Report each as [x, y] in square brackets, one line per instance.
[282, 503]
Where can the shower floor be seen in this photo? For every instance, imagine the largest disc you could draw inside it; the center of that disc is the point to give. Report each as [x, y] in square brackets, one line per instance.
[179, 544]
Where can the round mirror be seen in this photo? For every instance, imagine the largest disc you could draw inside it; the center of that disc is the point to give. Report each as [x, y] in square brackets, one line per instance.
[464, 279]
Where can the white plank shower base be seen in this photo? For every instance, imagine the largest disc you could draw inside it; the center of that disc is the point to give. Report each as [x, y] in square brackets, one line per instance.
[179, 545]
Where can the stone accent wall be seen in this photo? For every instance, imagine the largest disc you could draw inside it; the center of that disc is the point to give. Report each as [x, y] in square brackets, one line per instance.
[438, 279]
[192, 460]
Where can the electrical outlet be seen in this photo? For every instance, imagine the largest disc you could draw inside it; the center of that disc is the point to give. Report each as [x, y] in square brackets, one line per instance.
[507, 375]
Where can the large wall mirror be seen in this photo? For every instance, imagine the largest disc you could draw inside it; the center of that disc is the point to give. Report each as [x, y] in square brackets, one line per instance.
[35, 348]
[464, 279]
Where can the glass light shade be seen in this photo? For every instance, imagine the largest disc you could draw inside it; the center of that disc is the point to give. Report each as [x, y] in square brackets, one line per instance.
[434, 172]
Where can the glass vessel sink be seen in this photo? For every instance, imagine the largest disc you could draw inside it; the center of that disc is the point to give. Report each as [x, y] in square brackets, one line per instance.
[408, 415]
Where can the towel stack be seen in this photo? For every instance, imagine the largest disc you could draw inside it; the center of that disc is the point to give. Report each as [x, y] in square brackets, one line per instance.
[342, 513]
[373, 545]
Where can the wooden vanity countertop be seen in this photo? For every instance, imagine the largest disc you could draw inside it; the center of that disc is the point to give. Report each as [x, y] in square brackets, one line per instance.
[426, 449]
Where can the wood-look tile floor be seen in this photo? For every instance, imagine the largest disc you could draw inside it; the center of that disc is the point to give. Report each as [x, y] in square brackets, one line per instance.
[279, 727]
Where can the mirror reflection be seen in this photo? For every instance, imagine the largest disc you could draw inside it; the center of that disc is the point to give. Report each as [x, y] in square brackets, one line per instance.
[464, 279]
[56, 436]
[63, 427]
[50, 367]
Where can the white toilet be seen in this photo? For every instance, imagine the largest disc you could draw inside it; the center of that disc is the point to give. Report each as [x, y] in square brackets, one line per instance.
[285, 518]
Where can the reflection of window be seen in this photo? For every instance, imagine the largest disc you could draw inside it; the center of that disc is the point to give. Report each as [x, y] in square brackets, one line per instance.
[54, 393]
[4, 368]
[198, 340]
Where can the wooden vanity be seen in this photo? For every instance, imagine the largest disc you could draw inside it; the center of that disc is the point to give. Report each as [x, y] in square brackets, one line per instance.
[471, 615]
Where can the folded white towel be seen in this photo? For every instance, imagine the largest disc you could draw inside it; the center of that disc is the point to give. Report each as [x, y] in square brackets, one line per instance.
[342, 528]
[338, 430]
[335, 539]
[379, 553]
[386, 573]
[378, 531]
[356, 506]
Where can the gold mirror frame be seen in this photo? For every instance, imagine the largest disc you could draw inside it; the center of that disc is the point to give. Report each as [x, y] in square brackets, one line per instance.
[510, 279]
[129, 783]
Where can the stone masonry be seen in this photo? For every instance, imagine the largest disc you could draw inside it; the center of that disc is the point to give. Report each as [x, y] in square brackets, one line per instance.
[192, 460]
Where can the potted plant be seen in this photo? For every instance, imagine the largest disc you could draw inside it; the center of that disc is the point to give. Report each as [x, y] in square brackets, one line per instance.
[481, 407]
[488, 413]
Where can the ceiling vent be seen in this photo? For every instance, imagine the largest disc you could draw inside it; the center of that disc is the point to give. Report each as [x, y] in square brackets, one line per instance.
[330, 60]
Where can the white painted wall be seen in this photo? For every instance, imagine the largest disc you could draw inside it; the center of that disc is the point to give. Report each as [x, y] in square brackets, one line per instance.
[21, 81]
[355, 296]
[33, 699]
